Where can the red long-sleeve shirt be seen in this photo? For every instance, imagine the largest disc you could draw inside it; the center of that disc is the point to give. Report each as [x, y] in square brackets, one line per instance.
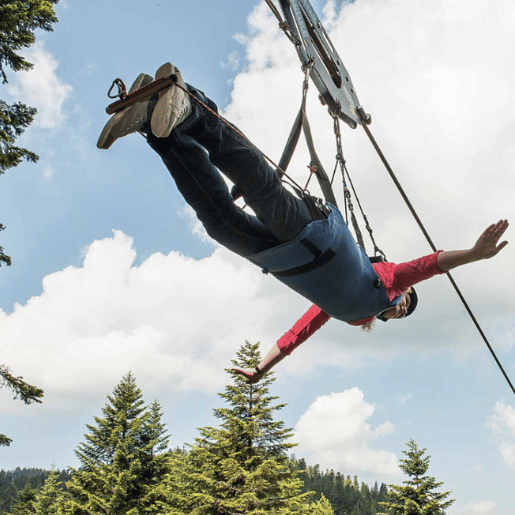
[395, 278]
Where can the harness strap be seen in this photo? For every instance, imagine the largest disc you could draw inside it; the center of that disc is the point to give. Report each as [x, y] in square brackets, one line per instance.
[321, 258]
[323, 179]
[319, 261]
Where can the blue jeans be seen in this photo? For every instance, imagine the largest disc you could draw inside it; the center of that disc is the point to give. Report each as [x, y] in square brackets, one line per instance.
[195, 153]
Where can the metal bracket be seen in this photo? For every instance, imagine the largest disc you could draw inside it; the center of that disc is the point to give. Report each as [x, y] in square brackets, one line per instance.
[327, 70]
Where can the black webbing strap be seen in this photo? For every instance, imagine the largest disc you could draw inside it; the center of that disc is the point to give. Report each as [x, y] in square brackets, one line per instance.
[291, 144]
[319, 261]
[302, 123]
[323, 179]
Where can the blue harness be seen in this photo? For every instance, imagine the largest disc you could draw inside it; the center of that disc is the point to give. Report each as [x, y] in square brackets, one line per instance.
[325, 265]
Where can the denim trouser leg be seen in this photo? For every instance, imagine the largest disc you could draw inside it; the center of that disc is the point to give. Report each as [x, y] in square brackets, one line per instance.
[191, 153]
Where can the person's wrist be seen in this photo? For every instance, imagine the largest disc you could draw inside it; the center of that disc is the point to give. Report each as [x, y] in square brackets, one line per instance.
[475, 254]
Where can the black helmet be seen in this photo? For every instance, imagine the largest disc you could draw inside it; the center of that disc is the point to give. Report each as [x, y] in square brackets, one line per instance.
[412, 306]
[413, 301]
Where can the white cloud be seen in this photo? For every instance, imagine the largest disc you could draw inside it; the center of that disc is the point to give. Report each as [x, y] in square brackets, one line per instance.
[232, 63]
[48, 172]
[41, 87]
[508, 454]
[502, 425]
[344, 443]
[195, 225]
[480, 508]
[404, 398]
[173, 320]
[89, 69]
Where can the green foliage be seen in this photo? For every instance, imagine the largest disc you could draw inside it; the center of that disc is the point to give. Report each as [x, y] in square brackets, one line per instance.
[50, 499]
[418, 496]
[123, 460]
[24, 504]
[14, 119]
[19, 20]
[343, 493]
[19, 488]
[321, 507]
[240, 467]
[22, 390]
[4, 258]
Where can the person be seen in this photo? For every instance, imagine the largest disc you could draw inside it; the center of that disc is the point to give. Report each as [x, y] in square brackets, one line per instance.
[300, 241]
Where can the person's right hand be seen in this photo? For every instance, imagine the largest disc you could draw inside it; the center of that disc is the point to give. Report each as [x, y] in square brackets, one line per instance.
[486, 246]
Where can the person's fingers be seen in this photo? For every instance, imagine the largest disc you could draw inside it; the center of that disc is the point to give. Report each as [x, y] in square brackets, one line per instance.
[502, 245]
[501, 228]
[495, 231]
[239, 371]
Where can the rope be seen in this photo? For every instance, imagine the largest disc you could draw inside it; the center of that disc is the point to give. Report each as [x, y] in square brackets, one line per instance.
[432, 245]
[345, 173]
[283, 24]
[282, 173]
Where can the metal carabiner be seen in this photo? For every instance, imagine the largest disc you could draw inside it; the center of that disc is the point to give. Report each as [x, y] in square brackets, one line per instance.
[122, 90]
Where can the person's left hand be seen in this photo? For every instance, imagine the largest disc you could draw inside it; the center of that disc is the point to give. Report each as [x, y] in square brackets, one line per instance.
[250, 373]
[486, 246]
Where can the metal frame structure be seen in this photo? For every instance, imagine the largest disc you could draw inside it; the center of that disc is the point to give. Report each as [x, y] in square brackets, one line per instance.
[315, 50]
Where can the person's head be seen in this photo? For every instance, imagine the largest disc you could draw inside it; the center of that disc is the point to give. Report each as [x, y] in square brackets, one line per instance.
[404, 307]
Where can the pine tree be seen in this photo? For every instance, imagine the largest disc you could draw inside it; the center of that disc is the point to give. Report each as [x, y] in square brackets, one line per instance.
[123, 461]
[240, 467]
[50, 499]
[156, 466]
[24, 503]
[418, 497]
[18, 22]
[321, 507]
[21, 390]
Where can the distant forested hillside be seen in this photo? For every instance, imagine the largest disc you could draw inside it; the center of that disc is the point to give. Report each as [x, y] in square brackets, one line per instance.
[346, 495]
[13, 481]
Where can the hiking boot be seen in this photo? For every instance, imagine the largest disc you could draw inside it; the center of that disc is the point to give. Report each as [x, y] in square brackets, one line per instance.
[130, 119]
[173, 106]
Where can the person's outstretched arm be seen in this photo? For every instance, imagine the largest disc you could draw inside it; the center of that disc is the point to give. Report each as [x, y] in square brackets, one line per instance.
[485, 248]
[310, 322]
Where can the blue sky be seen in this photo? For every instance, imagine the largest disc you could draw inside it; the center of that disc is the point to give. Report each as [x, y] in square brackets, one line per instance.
[112, 273]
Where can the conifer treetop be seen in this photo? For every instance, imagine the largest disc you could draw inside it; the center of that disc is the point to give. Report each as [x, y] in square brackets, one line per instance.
[241, 466]
[418, 496]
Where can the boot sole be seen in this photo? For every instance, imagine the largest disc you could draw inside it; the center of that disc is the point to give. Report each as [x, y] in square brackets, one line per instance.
[164, 117]
[107, 138]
